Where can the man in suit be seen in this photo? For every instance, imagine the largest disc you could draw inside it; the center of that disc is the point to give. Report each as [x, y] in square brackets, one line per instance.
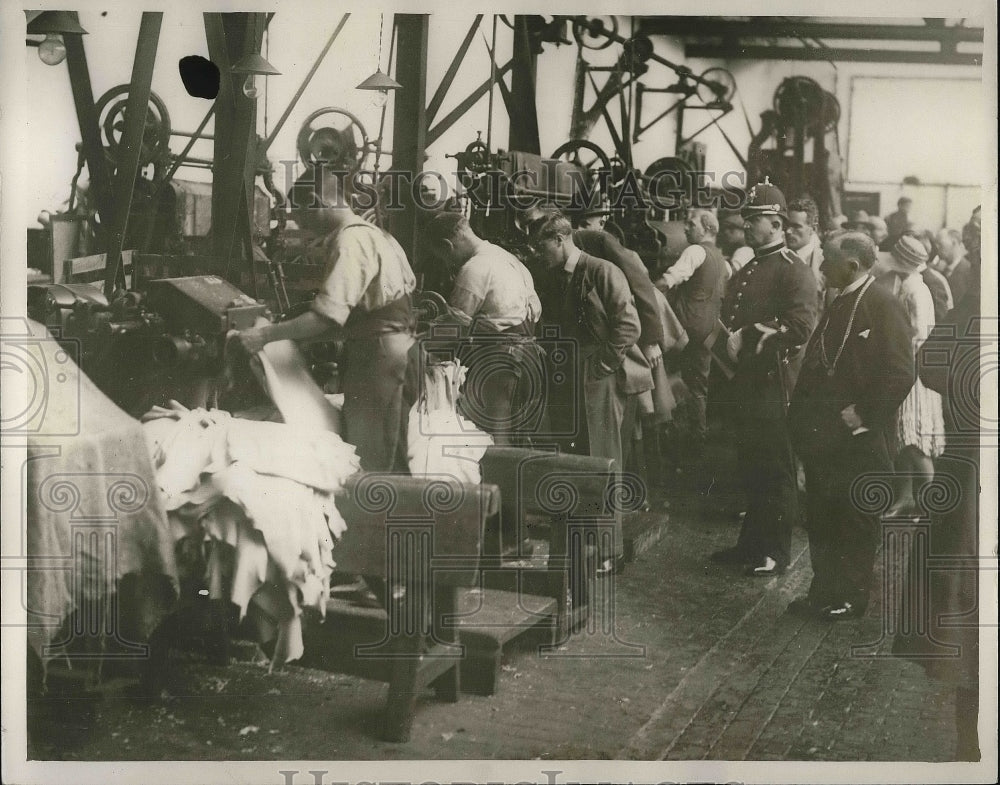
[857, 370]
[590, 301]
[604, 245]
[954, 264]
[696, 282]
[898, 222]
[768, 314]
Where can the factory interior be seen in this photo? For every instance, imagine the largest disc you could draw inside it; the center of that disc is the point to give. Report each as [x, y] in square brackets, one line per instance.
[381, 387]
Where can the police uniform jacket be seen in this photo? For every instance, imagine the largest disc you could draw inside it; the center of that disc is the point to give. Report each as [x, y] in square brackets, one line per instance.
[777, 289]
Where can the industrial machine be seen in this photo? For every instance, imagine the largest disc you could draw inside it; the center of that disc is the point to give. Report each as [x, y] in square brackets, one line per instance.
[172, 333]
[802, 112]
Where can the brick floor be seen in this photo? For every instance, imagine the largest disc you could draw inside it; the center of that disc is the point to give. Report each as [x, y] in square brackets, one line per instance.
[689, 661]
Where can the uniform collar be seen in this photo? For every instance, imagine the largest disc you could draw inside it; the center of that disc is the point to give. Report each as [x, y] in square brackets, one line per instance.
[777, 246]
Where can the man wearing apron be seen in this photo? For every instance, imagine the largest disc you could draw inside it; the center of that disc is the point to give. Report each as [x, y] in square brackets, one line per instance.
[496, 292]
[364, 301]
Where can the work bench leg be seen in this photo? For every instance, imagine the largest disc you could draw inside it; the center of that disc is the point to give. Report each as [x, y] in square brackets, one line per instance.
[401, 704]
[448, 685]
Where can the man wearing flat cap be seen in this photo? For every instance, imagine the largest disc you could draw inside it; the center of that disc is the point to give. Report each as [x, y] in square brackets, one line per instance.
[594, 216]
[768, 314]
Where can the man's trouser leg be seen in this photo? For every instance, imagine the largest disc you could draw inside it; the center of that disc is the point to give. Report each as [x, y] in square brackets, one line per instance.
[607, 410]
[858, 534]
[768, 473]
[821, 528]
[374, 420]
[843, 538]
[695, 368]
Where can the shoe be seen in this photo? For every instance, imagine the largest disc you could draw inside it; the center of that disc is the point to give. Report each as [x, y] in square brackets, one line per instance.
[732, 555]
[610, 567]
[840, 612]
[765, 568]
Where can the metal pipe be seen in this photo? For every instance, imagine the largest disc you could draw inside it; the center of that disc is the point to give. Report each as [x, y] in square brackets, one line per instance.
[858, 55]
[194, 135]
[265, 146]
[187, 148]
[711, 27]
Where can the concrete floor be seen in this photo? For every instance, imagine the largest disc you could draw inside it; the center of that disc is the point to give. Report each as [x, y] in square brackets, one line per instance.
[683, 660]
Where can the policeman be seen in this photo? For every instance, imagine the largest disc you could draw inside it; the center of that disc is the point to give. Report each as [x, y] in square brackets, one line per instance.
[769, 312]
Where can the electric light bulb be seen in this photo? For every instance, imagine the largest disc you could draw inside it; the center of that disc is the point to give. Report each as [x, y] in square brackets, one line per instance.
[380, 98]
[249, 90]
[52, 50]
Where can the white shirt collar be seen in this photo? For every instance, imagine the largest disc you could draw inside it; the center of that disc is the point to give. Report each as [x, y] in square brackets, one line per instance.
[809, 247]
[572, 260]
[856, 284]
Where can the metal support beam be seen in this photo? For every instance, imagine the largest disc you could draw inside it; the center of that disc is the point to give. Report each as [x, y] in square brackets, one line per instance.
[305, 83]
[90, 132]
[409, 123]
[524, 120]
[231, 36]
[455, 114]
[439, 95]
[859, 55]
[775, 27]
[131, 144]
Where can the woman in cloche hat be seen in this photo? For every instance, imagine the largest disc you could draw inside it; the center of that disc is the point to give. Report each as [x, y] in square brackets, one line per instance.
[919, 421]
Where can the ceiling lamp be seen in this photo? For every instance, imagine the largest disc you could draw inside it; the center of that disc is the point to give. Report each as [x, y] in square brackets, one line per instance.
[253, 65]
[381, 84]
[53, 25]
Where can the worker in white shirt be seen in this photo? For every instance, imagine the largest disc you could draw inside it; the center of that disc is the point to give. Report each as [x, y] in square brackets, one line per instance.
[695, 284]
[496, 291]
[732, 241]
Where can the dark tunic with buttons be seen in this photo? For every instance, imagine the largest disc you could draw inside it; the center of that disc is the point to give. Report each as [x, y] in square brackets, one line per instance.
[776, 289]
